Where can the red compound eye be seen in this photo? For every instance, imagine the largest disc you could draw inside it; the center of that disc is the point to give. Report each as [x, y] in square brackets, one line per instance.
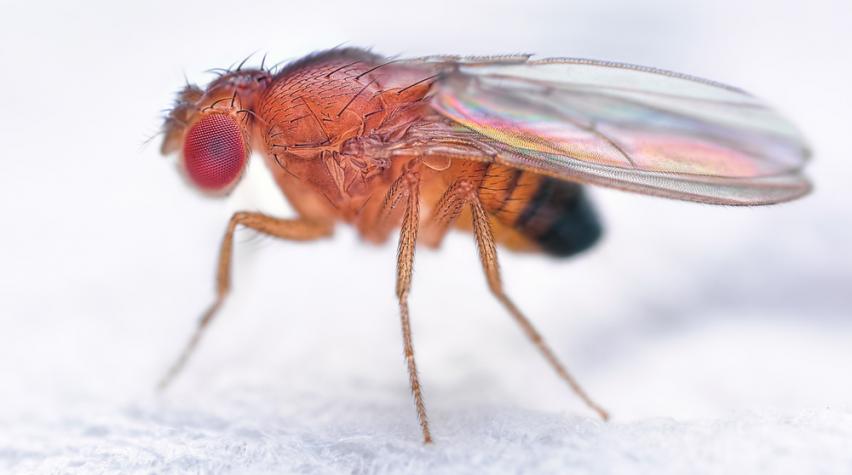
[213, 151]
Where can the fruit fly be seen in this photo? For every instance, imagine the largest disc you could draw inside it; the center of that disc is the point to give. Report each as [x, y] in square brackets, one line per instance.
[500, 146]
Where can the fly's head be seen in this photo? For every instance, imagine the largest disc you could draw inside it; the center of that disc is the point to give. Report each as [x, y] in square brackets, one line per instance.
[211, 129]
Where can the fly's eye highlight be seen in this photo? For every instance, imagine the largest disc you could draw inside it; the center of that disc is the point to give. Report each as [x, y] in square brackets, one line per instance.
[214, 152]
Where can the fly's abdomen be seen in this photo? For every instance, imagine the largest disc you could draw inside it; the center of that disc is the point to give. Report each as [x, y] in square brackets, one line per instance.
[556, 215]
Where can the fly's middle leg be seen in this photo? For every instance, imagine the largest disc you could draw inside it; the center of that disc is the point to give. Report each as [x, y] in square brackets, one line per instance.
[405, 191]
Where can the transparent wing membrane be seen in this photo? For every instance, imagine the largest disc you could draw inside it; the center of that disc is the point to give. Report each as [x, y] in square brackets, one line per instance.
[629, 127]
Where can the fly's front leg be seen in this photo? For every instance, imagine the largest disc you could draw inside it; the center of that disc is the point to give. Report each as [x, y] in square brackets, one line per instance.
[291, 229]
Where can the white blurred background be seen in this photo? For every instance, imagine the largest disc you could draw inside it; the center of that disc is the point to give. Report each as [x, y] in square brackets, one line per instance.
[719, 338]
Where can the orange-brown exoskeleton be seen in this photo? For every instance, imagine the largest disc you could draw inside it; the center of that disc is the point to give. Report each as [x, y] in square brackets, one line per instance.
[503, 144]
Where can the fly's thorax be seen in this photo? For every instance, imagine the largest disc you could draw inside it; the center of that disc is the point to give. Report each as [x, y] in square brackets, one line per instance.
[318, 106]
[331, 122]
[325, 100]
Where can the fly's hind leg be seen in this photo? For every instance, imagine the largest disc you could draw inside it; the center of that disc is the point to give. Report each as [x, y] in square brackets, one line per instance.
[488, 257]
[447, 210]
[292, 229]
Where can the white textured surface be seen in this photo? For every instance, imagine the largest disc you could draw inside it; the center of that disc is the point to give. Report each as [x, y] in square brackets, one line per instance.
[719, 338]
[479, 440]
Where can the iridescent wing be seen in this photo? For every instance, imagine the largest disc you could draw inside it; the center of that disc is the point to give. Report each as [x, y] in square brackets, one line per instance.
[628, 127]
